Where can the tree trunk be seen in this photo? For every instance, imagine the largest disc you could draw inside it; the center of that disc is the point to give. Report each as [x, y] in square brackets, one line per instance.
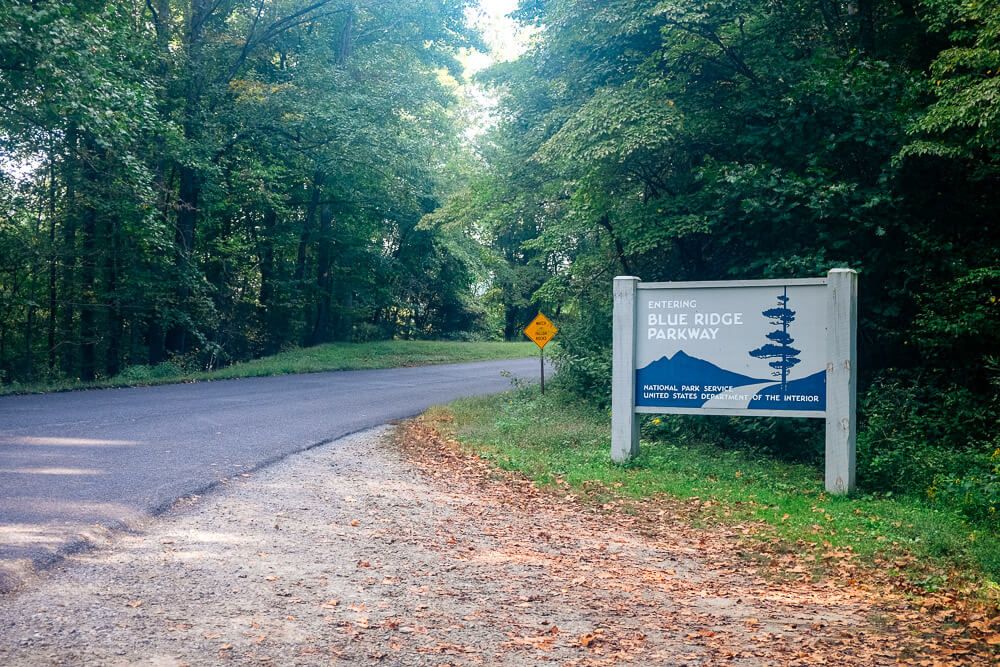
[265, 257]
[346, 39]
[189, 186]
[605, 222]
[113, 354]
[88, 275]
[155, 340]
[187, 216]
[324, 277]
[829, 9]
[29, 344]
[344, 322]
[307, 229]
[187, 210]
[69, 254]
[53, 253]
[3, 349]
[866, 27]
[267, 308]
[510, 323]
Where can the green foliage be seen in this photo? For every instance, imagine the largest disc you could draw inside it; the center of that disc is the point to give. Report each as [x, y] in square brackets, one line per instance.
[965, 81]
[140, 375]
[961, 319]
[583, 358]
[977, 494]
[216, 181]
[928, 436]
[328, 357]
[212, 182]
[791, 440]
[678, 140]
[915, 432]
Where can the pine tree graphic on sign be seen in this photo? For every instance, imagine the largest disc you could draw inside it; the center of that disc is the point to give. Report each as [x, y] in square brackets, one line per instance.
[785, 356]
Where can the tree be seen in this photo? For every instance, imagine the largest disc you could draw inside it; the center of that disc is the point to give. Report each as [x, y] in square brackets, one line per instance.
[199, 182]
[781, 349]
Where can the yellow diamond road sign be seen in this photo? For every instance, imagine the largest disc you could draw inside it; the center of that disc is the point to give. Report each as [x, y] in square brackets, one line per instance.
[541, 330]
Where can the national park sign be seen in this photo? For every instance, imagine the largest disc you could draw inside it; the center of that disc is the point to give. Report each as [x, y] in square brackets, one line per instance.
[745, 350]
[779, 348]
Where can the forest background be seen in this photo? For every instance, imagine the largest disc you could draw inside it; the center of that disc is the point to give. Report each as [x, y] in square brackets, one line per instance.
[198, 182]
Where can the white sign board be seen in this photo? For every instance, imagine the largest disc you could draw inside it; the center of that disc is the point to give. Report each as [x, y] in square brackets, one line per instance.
[751, 350]
[779, 348]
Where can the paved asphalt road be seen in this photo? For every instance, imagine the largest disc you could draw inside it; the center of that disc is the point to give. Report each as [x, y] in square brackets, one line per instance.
[111, 458]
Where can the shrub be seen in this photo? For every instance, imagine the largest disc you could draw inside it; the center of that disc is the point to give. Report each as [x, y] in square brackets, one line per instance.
[139, 374]
[976, 492]
[924, 435]
[583, 356]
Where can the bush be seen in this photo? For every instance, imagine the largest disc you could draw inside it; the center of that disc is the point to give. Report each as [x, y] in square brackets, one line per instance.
[584, 376]
[976, 493]
[583, 357]
[366, 332]
[140, 374]
[925, 436]
[794, 440]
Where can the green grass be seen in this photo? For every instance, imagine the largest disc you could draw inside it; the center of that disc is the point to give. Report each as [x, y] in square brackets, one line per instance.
[330, 357]
[551, 437]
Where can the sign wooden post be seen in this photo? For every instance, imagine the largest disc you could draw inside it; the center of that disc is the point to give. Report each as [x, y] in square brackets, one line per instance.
[624, 420]
[841, 379]
[773, 348]
[541, 331]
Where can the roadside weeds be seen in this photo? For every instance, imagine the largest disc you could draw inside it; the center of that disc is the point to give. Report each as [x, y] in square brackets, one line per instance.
[317, 359]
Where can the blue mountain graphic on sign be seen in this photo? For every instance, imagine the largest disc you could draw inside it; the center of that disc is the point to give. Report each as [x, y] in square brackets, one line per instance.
[691, 370]
[810, 387]
[683, 381]
[679, 371]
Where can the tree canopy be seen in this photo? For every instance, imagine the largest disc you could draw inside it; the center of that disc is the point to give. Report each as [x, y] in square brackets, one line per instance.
[211, 180]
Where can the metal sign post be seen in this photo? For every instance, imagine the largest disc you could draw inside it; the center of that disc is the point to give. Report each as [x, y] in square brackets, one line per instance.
[541, 367]
[776, 348]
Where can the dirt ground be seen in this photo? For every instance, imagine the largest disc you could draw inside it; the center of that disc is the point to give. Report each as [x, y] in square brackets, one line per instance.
[368, 551]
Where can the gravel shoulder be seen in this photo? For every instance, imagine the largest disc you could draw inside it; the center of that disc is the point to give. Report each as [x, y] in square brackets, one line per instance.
[364, 551]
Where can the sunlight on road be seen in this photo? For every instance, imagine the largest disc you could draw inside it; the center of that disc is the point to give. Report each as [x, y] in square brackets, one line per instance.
[52, 441]
[52, 471]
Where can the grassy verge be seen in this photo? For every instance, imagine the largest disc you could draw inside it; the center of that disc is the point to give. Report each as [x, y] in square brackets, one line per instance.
[331, 357]
[554, 440]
